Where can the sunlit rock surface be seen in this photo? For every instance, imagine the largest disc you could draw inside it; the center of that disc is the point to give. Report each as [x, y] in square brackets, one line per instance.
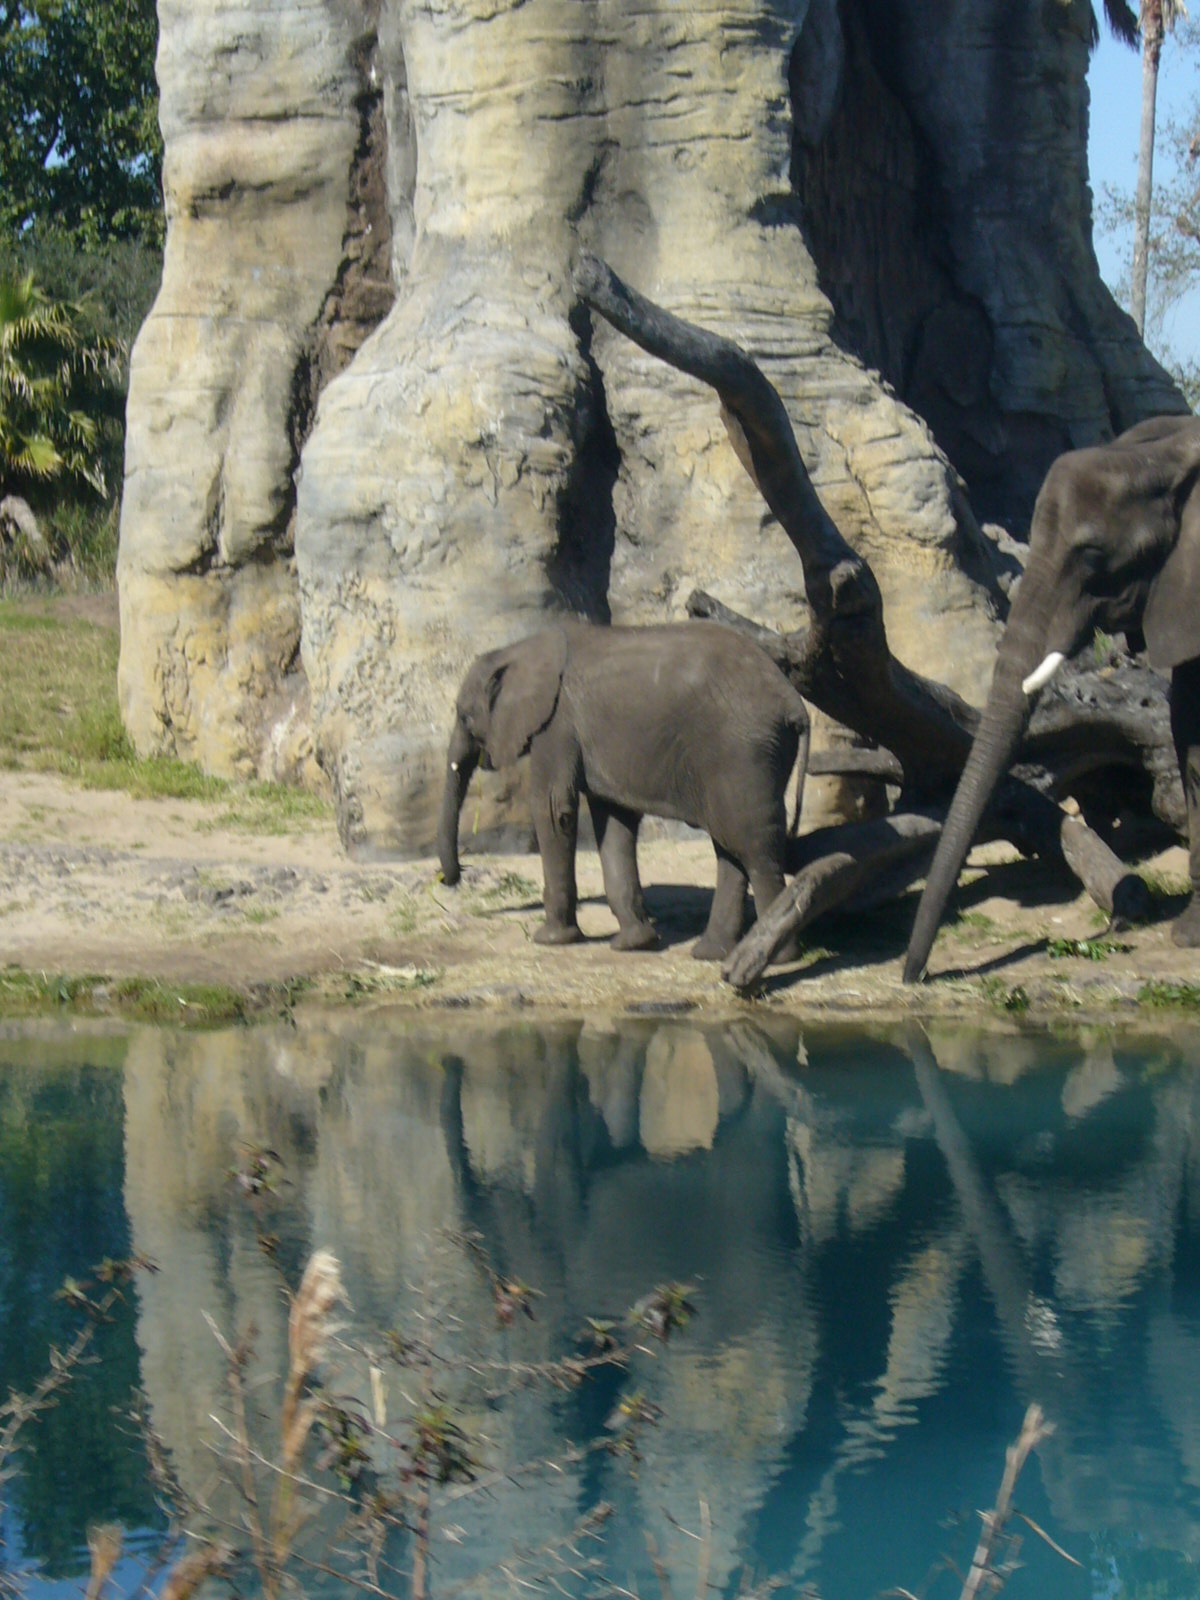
[371, 433]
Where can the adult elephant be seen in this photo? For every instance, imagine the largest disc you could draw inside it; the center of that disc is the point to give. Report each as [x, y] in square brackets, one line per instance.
[687, 720]
[1114, 544]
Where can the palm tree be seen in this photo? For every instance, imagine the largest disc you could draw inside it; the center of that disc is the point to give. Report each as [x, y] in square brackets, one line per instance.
[1157, 19]
[50, 370]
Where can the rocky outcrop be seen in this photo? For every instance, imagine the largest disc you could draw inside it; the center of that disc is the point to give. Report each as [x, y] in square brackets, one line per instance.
[270, 167]
[486, 457]
[472, 452]
[946, 193]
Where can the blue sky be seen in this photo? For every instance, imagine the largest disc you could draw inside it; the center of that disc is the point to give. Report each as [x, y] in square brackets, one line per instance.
[1115, 80]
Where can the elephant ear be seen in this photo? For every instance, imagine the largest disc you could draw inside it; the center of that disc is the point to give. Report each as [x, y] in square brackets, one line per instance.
[524, 691]
[1171, 622]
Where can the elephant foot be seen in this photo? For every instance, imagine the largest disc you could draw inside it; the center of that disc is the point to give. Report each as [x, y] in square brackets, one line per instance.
[639, 936]
[708, 947]
[558, 933]
[1186, 929]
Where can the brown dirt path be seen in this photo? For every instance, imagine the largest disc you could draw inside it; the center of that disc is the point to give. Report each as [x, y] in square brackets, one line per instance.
[92, 882]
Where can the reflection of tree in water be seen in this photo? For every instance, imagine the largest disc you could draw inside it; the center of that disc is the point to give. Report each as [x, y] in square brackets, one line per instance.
[1093, 1209]
[61, 1212]
[838, 1219]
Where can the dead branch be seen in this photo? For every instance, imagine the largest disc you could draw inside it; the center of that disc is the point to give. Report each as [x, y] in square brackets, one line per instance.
[841, 862]
[1123, 894]
[880, 765]
[1091, 718]
[1033, 1430]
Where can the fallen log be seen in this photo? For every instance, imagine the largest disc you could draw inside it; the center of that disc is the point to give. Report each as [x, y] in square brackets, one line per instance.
[843, 861]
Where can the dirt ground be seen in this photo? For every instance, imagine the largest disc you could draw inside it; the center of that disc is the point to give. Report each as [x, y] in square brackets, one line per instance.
[96, 883]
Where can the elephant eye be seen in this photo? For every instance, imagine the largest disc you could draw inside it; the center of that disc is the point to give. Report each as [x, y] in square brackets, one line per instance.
[1095, 568]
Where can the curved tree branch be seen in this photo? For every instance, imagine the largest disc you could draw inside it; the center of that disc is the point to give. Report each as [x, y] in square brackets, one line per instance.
[843, 665]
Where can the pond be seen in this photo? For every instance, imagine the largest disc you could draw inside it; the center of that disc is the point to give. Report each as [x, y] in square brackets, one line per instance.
[884, 1245]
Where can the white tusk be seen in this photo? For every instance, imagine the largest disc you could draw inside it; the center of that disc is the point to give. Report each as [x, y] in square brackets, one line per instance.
[1040, 676]
[454, 766]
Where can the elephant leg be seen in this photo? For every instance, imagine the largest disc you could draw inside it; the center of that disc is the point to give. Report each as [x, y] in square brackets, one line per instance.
[1185, 730]
[728, 915]
[555, 795]
[616, 835]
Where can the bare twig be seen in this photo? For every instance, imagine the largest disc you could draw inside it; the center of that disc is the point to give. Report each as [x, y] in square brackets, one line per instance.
[236, 1357]
[205, 1561]
[1034, 1429]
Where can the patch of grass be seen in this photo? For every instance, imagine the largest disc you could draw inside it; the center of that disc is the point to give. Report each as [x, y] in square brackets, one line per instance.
[977, 923]
[272, 808]
[59, 713]
[1165, 885]
[191, 1005]
[374, 891]
[87, 531]
[511, 889]
[1161, 995]
[812, 954]
[58, 699]
[1085, 949]
[404, 917]
[379, 981]
[511, 886]
[1014, 1000]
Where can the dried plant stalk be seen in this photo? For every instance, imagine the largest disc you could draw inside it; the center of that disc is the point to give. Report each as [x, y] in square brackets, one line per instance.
[310, 1327]
[104, 1547]
[191, 1570]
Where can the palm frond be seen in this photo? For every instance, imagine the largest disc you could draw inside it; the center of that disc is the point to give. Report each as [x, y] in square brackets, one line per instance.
[38, 457]
[53, 376]
[1122, 22]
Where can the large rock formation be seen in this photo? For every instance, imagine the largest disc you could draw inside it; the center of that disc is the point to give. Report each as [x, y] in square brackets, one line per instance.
[373, 209]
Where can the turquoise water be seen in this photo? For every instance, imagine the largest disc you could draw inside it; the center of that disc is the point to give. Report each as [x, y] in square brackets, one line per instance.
[893, 1242]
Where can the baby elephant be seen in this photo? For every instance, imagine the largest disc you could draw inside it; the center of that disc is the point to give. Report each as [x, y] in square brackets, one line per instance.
[688, 720]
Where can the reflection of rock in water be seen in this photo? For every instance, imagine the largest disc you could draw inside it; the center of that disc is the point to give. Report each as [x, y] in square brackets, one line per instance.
[189, 1101]
[679, 1107]
[835, 1182]
[597, 1161]
[1090, 1083]
[611, 1062]
[382, 1186]
[999, 1055]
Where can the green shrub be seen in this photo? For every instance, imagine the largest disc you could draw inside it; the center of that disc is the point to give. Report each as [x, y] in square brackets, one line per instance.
[53, 378]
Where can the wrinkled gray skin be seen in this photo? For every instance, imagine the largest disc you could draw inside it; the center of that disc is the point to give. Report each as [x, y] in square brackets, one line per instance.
[1114, 544]
[690, 721]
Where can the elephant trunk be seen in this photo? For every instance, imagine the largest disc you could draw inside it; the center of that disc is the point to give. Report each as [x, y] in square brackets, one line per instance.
[1000, 728]
[461, 760]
